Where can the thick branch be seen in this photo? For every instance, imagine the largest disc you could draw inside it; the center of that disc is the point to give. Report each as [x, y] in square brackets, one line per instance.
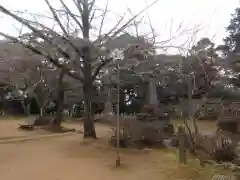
[35, 50]
[62, 27]
[100, 39]
[99, 67]
[78, 5]
[91, 5]
[64, 39]
[71, 14]
[41, 35]
[121, 29]
[103, 18]
[38, 32]
[56, 17]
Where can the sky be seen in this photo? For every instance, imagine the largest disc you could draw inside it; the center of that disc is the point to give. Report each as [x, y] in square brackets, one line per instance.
[166, 16]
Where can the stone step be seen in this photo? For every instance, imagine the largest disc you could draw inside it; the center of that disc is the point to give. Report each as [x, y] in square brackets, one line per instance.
[221, 177]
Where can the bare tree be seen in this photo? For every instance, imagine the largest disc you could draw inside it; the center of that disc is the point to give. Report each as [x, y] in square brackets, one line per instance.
[45, 89]
[23, 74]
[83, 52]
[28, 75]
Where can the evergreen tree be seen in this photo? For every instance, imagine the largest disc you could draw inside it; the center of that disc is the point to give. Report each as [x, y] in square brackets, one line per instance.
[232, 41]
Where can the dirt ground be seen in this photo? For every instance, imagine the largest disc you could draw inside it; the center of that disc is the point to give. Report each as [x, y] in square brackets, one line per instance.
[9, 129]
[69, 157]
[62, 158]
[206, 126]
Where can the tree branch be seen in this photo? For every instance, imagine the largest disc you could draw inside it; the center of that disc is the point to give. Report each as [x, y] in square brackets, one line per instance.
[35, 50]
[78, 5]
[56, 17]
[71, 14]
[40, 34]
[100, 39]
[128, 22]
[99, 67]
[103, 18]
[91, 5]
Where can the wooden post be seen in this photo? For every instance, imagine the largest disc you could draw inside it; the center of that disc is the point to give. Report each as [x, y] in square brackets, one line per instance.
[182, 144]
[118, 117]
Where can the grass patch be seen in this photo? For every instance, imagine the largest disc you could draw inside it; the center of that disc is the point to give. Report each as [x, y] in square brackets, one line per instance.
[191, 170]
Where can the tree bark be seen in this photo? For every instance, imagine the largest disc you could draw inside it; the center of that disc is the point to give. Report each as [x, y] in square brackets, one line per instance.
[41, 111]
[41, 105]
[108, 110]
[56, 123]
[26, 107]
[1, 103]
[89, 129]
[190, 109]
[152, 96]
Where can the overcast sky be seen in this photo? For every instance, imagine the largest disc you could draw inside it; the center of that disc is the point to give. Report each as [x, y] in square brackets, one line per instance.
[212, 15]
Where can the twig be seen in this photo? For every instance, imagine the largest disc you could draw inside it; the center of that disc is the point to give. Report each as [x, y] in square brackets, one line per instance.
[103, 18]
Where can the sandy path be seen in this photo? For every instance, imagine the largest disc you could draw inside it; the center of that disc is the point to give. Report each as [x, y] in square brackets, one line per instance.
[66, 158]
[63, 158]
[9, 128]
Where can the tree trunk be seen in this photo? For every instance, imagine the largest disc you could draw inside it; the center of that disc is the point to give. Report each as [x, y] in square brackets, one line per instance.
[1, 104]
[26, 107]
[190, 109]
[60, 102]
[108, 110]
[41, 111]
[41, 105]
[152, 96]
[89, 129]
